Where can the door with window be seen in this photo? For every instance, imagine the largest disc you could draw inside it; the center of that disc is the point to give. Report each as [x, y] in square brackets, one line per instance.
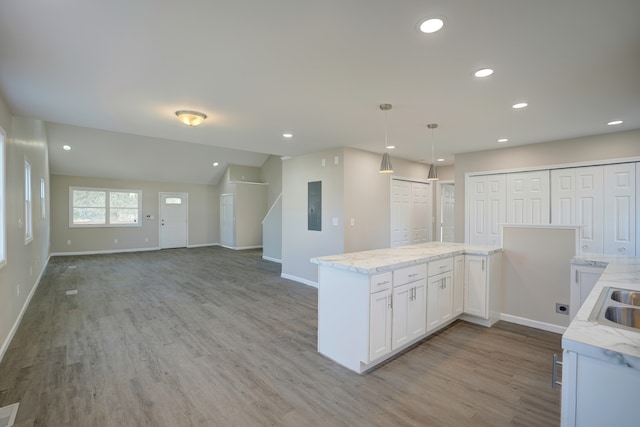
[173, 220]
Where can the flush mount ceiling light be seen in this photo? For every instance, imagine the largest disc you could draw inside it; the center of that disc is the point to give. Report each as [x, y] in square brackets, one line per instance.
[431, 25]
[66, 147]
[484, 72]
[433, 174]
[191, 118]
[385, 165]
[519, 105]
[615, 122]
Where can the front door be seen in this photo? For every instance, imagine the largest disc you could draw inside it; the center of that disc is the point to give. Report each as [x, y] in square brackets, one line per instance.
[173, 220]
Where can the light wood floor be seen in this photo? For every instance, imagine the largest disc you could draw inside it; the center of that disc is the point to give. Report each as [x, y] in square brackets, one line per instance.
[215, 337]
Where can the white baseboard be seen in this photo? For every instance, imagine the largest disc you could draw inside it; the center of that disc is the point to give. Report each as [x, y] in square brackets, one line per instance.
[109, 251]
[533, 323]
[299, 279]
[202, 245]
[268, 258]
[241, 248]
[16, 324]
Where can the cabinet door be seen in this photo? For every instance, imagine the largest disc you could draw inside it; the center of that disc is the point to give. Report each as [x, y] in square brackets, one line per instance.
[417, 309]
[620, 209]
[379, 324]
[583, 281]
[439, 300]
[401, 300]
[563, 196]
[528, 198]
[458, 285]
[590, 208]
[475, 289]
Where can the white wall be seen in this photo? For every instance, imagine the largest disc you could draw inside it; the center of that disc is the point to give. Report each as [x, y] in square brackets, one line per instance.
[271, 173]
[25, 138]
[585, 149]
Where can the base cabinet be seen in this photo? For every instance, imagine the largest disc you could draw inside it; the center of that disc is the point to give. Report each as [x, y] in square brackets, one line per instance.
[379, 324]
[439, 300]
[482, 282]
[458, 285]
[583, 279]
[598, 393]
[408, 313]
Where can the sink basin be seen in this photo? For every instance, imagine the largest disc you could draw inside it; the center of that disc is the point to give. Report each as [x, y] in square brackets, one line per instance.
[626, 297]
[626, 316]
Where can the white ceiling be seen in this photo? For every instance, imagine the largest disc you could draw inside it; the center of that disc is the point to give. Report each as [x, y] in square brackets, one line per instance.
[317, 69]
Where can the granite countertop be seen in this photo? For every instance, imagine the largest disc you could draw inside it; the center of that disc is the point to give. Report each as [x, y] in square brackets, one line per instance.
[381, 260]
[609, 343]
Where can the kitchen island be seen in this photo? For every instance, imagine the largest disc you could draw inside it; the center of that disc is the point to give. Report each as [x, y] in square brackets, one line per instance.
[373, 305]
[601, 361]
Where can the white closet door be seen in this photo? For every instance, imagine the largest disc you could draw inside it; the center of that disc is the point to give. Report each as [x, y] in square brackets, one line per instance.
[400, 212]
[619, 209]
[563, 196]
[496, 208]
[528, 198]
[421, 212]
[589, 209]
[476, 222]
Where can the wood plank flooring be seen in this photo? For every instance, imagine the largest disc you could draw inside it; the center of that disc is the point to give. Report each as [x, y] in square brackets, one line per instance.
[214, 337]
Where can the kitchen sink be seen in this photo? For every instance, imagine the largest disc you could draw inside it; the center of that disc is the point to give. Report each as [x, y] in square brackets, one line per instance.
[626, 297]
[619, 308]
[627, 316]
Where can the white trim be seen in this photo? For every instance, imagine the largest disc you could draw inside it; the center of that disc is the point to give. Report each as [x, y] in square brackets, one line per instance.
[404, 178]
[268, 258]
[533, 323]
[248, 182]
[202, 245]
[299, 280]
[556, 166]
[107, 251]
[16, 324]
[241, 248]
[107, 207]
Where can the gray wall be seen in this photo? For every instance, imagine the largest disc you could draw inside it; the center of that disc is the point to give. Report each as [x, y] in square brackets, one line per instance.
[298, 243]
[536, 273]
[25, 138]
[271, 173]
[203, 216]
[244, 173]
[250, 209]
[586, 149]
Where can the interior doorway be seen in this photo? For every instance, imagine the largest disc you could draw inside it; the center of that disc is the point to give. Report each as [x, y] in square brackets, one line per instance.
[173, 220]
[447, 211]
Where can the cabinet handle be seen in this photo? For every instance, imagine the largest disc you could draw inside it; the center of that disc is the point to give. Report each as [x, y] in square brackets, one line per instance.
[383, 283]
[390, 299]
[554, 372]
[482, 265]
[622, 249]
[413, 274]
[443, 266]
[576, 276]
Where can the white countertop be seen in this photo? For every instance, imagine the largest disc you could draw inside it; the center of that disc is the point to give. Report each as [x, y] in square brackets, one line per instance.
[616, 345]
[381, 260]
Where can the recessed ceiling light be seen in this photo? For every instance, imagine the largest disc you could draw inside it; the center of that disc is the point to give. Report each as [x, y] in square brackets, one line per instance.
[431, 25]
[215, 163]
[440, 160]
[501, 140]
[66, 147]
[287, 135]
[484, 72]
[390, 147]
[615, 122]
[519, 105]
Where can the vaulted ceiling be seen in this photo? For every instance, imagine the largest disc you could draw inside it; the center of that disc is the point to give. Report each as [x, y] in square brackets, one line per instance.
[109, 76]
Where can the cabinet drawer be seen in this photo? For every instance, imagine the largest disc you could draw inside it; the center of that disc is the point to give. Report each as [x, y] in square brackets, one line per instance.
[440, 266]
[380, 282]
[409, 274]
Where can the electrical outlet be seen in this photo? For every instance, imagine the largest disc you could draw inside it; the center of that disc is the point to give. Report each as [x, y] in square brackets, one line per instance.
[562, 308]
[115, 241]
[18, 289]
[68, 242]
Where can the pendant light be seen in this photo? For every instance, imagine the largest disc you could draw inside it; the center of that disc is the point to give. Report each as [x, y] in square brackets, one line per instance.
[385, 165]
[433, 175]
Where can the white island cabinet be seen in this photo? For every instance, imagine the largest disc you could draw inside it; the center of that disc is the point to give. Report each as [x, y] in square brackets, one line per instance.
[373, 305]
[601, 361]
